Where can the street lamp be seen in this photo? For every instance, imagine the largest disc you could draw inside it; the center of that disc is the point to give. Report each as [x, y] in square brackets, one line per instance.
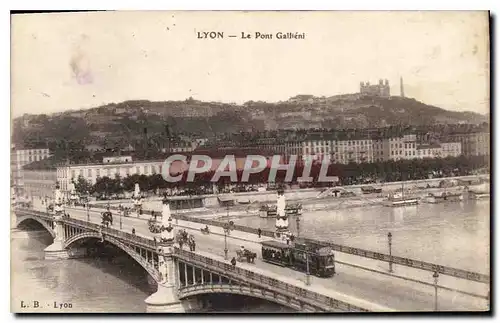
[436, 276]
[121, 212]
[308, 275]
[88, 214]
[389, 237]
[227, 229]
[297, 220]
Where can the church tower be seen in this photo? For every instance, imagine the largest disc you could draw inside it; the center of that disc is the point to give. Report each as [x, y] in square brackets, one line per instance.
[402, 87]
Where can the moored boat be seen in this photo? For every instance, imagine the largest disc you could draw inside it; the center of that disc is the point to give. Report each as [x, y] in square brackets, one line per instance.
[397, 199]
[269, 211]
[434, 198]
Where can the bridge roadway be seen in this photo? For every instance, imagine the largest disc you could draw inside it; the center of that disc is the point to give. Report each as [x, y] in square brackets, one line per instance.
[386, 291]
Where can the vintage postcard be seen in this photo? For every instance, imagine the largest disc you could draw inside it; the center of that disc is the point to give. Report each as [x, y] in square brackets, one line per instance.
[250, 162]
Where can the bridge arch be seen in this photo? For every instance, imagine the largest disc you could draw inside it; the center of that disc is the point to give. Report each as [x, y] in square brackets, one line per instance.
[21, 219]
[250, 291]
[132, 253]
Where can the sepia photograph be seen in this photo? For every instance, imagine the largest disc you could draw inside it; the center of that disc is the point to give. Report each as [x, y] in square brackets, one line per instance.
[250, 162]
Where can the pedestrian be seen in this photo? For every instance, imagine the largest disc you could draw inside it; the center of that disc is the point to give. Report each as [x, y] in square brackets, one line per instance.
[133, 231]
[233, 262]
[259, 231]
[287, 240]
[154, 240]
[194, 246]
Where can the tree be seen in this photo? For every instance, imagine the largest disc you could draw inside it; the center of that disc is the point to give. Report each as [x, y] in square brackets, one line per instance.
[104, 185]
[82, 186]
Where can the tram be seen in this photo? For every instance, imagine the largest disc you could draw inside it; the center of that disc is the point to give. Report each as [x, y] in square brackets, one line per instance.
[301, 256]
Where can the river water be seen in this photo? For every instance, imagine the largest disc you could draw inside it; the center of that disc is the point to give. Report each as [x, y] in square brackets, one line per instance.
[107, 284]
[455, 234]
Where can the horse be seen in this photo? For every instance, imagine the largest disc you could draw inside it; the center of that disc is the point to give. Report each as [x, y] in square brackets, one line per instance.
[107, 218]
[181, 238]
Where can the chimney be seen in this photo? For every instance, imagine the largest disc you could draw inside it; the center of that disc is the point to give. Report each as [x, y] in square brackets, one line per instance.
[401, 87]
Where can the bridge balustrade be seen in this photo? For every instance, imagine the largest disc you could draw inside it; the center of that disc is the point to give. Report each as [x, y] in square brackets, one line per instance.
[322, 300]
[145, 242]
[418, 264]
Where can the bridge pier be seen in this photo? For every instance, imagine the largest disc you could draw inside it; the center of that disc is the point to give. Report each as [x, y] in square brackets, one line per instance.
[166, 298]
[57, 250]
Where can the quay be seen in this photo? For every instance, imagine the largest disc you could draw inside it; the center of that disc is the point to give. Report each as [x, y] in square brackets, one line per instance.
[362, 282]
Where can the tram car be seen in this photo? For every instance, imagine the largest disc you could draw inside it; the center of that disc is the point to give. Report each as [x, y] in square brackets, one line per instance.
[321, 259]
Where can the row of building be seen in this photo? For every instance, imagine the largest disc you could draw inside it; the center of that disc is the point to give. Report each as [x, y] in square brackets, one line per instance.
[406, 147]
[377, 150]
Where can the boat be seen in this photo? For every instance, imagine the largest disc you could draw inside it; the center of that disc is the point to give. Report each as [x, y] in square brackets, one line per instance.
[244, 201]
[269, 211]
[479, 196]
[399, 199]
[479, 192]
[434, 198]
[370, 190]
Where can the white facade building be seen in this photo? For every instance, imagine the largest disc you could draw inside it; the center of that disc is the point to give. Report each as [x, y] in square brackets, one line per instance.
[19, 158]
[67, 174]
[318, 149]
[451, 149]
[354, 151]
[429, 151]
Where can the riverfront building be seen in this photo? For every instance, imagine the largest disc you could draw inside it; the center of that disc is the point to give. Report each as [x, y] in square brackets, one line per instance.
[375, 150]
[473, 144]
[20, 158]
[69, 173]
[40, 183]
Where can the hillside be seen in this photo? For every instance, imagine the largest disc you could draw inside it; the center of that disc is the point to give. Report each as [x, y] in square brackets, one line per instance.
[119, 124]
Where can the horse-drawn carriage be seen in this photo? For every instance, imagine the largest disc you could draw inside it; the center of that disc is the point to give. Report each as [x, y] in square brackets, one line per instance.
[205, 230]
[106, 218]
[246, 254]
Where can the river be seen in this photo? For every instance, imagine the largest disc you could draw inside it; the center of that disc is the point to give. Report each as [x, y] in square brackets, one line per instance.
[98, 284]
[453, 234]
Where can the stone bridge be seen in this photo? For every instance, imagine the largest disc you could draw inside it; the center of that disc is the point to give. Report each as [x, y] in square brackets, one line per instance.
[183, 275]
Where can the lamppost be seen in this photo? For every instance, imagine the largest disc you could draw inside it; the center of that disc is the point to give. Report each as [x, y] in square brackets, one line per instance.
[308, 275]
[436, 276]
[297, 220]
[389, 237]
[88, 214]
[121, 213]
[227, 230]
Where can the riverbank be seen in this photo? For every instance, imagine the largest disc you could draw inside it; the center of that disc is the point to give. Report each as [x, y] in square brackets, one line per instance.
[311, 199]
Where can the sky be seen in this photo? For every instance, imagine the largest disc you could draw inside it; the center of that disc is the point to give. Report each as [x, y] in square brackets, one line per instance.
[71, 61]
